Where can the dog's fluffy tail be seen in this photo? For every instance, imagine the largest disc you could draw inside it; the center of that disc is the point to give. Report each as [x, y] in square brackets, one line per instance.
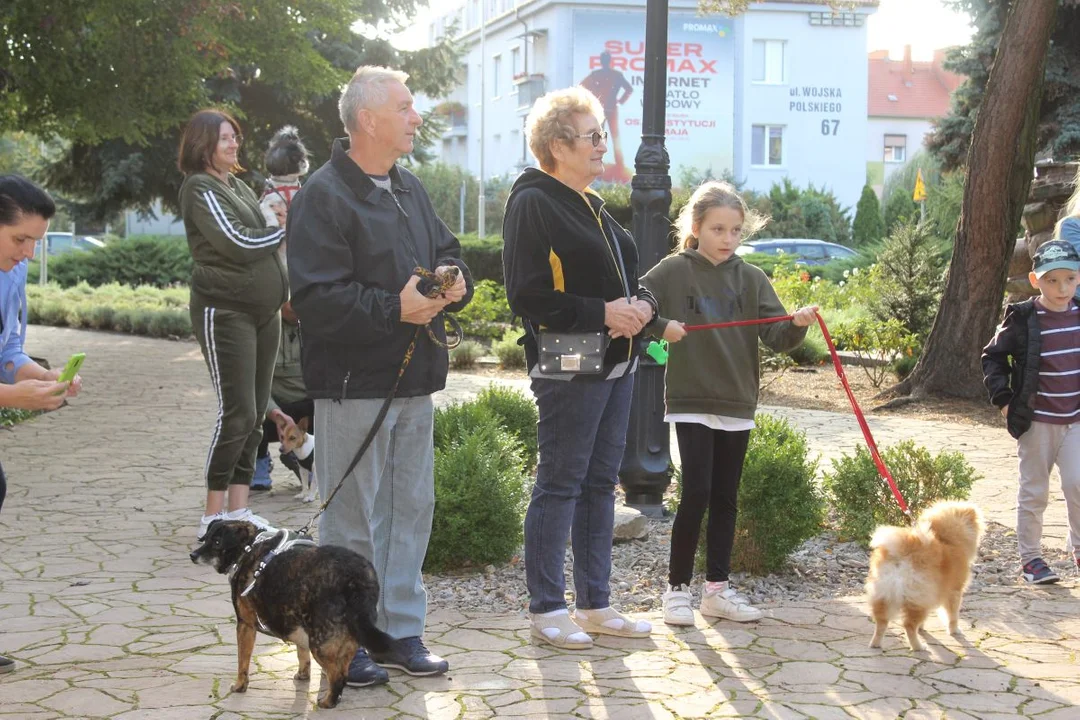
[953, 523]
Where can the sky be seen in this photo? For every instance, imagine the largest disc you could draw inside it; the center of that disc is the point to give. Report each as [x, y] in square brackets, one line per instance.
[923, 24]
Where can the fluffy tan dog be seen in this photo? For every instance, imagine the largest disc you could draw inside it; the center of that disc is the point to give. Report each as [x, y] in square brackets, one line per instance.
[916, 570]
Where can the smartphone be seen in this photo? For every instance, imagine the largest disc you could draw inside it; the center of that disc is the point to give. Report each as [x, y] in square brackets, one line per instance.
[72, 368]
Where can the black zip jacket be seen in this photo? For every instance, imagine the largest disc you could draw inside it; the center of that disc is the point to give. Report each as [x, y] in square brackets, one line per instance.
[561, 268]
[1010, 365]
[352, 247]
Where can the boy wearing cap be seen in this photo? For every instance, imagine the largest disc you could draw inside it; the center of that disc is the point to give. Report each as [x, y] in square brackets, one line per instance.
[1032, 371]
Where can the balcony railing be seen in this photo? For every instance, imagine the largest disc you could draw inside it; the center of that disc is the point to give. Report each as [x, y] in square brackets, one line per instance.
[529, 89]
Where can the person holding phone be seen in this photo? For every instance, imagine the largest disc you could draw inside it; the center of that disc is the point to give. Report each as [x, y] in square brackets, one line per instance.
[25, 211]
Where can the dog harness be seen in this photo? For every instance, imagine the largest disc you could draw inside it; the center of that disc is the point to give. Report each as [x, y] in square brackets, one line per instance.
[289, 540]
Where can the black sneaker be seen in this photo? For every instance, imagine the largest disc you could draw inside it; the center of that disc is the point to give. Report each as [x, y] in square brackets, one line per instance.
[1037, 572]
[6, 664]
[365, 673]
[410, 655]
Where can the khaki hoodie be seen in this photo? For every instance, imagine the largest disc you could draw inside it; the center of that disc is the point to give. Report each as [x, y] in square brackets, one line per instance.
[716, 372]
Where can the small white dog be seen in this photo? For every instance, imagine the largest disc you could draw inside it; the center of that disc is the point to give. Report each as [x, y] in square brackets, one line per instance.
[286, 162]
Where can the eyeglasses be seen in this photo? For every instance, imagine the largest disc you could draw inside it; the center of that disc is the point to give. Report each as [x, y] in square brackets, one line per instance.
[224, 139]
[596, 137]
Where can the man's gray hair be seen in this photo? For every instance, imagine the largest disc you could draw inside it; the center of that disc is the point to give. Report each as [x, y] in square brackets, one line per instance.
[366, 90]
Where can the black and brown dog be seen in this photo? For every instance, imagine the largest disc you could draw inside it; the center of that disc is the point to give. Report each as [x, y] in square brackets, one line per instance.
[320, 598]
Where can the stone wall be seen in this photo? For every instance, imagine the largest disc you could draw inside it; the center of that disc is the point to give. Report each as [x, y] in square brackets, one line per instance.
[1050, 190]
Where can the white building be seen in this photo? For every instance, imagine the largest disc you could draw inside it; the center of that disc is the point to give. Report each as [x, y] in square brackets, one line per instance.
[780, 91]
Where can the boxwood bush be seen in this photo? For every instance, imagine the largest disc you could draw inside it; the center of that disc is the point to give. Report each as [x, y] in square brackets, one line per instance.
[480, 489]
[861, 500]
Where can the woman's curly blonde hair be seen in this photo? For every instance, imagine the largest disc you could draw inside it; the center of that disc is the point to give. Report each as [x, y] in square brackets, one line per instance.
[551, 121]
[709, 195]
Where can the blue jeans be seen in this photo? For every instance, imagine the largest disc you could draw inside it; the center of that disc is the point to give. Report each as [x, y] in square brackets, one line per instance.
[581, 435]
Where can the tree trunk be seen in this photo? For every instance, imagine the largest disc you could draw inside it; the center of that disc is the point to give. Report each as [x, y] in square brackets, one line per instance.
[1000, 160]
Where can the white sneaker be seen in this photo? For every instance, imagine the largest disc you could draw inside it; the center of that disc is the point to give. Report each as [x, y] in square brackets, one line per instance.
[678, 608]
[245, 515]
[729, 605]
[204, 524]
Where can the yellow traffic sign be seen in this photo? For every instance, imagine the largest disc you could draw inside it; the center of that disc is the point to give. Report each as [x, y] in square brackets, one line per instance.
[920, 188]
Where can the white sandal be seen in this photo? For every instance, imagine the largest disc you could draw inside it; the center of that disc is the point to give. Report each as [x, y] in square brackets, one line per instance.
[568, 635]
[609, 621]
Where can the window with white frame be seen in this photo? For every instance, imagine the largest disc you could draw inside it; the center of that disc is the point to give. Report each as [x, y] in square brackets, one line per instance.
[515, 68]
[895, 148]
[767, 145]
[767, 58]
[496, 73]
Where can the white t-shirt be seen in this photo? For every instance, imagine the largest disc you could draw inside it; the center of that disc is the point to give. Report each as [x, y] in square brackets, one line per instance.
[716, 422]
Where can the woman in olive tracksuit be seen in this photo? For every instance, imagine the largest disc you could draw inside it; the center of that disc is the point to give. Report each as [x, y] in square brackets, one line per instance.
[238, 284]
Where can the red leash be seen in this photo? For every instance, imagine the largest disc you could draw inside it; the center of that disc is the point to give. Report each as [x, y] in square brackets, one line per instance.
[882, 470]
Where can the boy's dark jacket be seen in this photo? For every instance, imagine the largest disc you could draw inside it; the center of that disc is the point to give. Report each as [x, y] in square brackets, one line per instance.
[560, 269]
[352, 246]
[1014, 383]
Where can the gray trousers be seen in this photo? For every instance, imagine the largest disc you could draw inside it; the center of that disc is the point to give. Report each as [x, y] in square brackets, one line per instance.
[384, 509]
[1039, 449]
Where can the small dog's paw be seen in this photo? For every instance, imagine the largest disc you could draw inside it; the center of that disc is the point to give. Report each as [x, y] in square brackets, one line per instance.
[239, 686]
[917, 647]
[302, 674]
[326, 703]
[309, 498]
[875, 643]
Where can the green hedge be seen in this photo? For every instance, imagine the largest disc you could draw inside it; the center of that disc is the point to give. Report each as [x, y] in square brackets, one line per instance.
[160, 261]
[145, 310]
[483, 256]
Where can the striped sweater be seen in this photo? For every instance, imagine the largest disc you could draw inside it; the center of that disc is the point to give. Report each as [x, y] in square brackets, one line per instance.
[1057, 400]
[236, 261]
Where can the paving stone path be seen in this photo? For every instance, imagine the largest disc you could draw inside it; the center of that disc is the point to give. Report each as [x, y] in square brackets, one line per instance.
[107, 617]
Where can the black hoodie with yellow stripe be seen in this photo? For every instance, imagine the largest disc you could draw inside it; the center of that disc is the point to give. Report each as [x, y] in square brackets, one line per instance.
[560, 264]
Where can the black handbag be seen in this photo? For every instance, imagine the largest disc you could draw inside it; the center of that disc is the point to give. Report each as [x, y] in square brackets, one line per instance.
[576, 353]
[571, 353]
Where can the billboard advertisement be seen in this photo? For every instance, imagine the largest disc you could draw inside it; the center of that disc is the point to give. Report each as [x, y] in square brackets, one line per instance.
[609, 61]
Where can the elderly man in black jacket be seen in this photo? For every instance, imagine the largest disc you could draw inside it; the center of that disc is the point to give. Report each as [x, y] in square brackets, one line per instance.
[357, 230]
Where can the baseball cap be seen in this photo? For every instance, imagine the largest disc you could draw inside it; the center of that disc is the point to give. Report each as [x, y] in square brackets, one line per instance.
[1055, 255]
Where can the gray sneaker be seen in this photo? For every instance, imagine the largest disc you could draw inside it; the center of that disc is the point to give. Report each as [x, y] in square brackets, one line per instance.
[6, 664]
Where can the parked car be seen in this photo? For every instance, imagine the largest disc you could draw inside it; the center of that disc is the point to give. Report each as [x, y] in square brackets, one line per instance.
[811, 252]
[65, 242]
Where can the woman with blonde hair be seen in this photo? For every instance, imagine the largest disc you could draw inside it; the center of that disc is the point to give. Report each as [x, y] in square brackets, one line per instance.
[571, 269]
[1068, 227]
[711, 385]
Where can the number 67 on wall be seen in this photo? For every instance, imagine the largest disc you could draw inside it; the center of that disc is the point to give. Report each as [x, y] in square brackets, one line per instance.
[829, 127]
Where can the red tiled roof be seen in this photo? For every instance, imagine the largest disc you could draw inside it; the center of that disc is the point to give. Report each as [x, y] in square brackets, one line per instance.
[907, 89]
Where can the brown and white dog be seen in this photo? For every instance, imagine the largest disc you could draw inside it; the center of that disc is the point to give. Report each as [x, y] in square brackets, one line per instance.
[916, 570]
[297, 454]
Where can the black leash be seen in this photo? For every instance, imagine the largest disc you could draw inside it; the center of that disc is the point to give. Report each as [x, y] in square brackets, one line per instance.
[430, 286]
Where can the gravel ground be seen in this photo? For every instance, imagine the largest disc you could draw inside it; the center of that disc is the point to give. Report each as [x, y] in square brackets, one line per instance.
[820, 568]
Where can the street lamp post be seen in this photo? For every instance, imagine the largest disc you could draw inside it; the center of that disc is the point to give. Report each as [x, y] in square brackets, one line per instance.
[645, 470]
